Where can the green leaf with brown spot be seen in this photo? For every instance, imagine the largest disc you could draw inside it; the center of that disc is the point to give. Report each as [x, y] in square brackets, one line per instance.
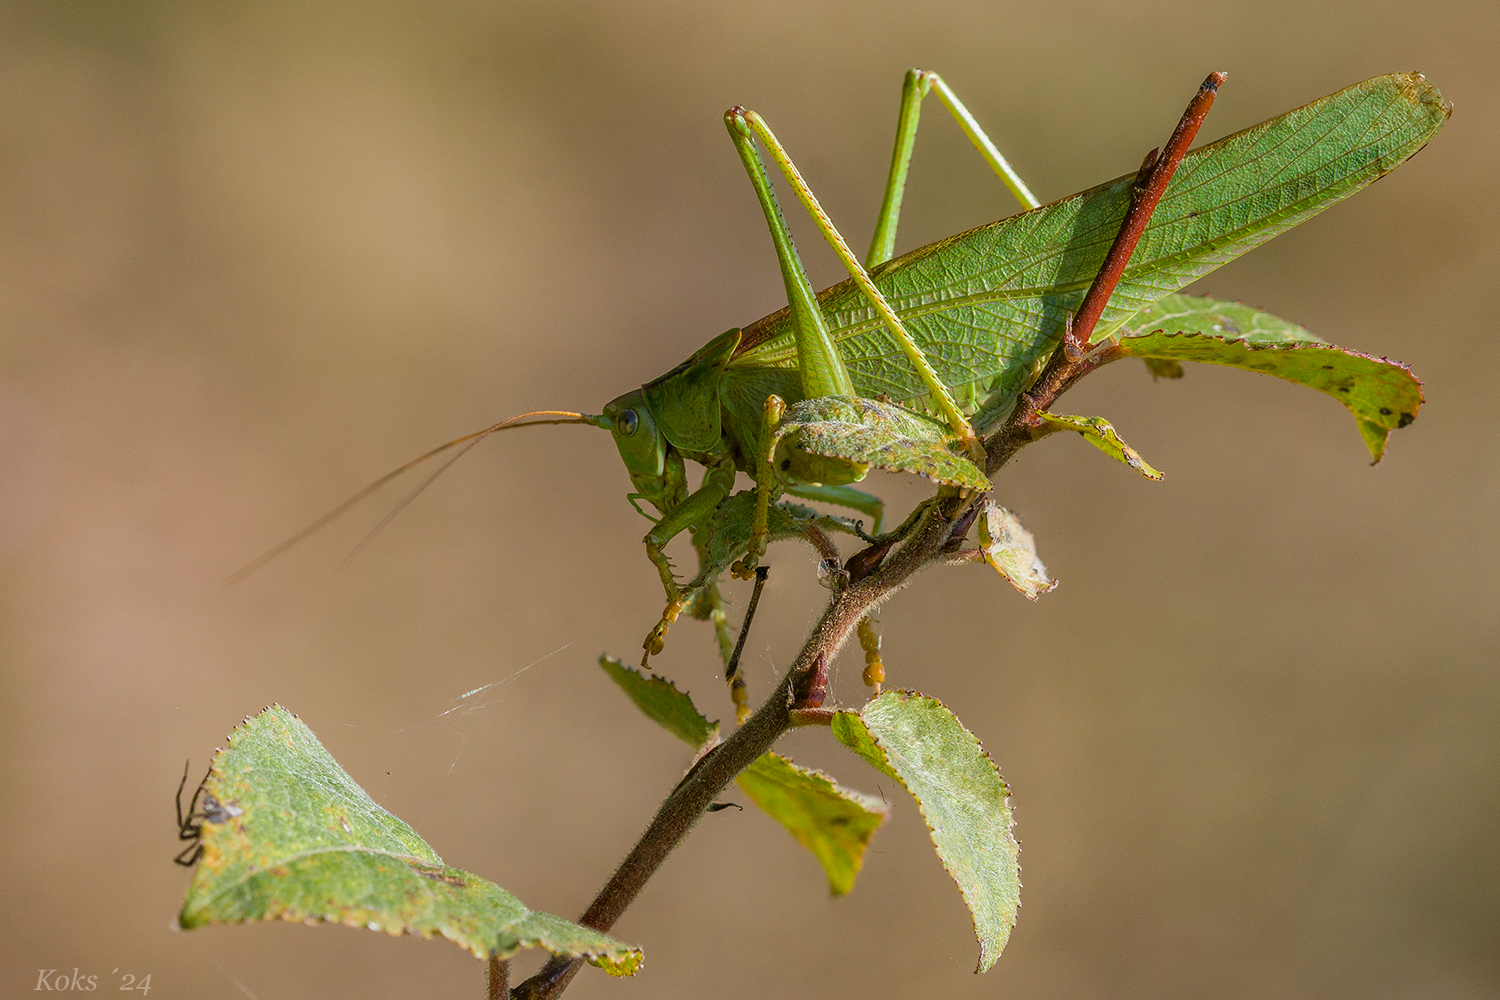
[833, 822]
[1382, 395]
[288, 835]
[1102, 435]
[917, 741]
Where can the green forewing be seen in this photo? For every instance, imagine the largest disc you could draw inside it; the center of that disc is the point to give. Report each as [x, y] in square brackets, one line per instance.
[290, 836]
[1383, 395]
[917, 741]
[985, 305]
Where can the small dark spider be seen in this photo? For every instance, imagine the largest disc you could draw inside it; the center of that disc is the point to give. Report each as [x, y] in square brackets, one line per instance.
[190, 823]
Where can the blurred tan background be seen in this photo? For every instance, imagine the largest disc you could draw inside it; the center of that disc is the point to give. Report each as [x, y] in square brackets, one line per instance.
[252, 258]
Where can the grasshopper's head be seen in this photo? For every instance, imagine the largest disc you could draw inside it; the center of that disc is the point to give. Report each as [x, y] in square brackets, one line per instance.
[641, 444]
[678, 410]
[669, 417]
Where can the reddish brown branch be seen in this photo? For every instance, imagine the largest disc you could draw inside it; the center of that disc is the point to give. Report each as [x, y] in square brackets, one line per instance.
[1071, 361]
[1150, 184]
[499, 981]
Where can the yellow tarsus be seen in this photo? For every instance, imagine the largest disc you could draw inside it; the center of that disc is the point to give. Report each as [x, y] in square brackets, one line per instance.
[869, 641]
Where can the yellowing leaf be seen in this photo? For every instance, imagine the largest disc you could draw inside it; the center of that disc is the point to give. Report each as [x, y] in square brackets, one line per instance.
[1102, 435]
[1011, 549]
[833, 822]
[1382, 395]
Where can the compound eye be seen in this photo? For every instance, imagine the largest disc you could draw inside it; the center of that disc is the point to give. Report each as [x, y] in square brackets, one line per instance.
[626, 423]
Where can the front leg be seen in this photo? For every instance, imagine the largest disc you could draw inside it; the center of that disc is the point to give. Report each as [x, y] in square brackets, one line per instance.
[768, 488]
[698, 507]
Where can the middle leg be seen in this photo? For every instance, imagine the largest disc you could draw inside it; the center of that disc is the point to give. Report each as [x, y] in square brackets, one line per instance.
[919, 83]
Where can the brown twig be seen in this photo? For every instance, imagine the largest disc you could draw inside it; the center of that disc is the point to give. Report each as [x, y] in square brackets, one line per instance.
[1150, 185]
[499, 979]
[1071, 361]
[933, 533]
[717, 768]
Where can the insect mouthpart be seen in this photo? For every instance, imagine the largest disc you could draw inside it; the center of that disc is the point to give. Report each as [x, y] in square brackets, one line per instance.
[637, 434]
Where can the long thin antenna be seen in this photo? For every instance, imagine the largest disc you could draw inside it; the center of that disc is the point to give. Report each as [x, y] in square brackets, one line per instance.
[469, 440]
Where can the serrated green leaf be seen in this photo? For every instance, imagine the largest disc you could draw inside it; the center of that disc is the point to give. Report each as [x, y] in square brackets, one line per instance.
[833, 822]
[1216, 318]
[290, 836]
[882, 436]
[1382, 395]
[1102, 435]
[1011, 550]
[966, 804]
[663, 704]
